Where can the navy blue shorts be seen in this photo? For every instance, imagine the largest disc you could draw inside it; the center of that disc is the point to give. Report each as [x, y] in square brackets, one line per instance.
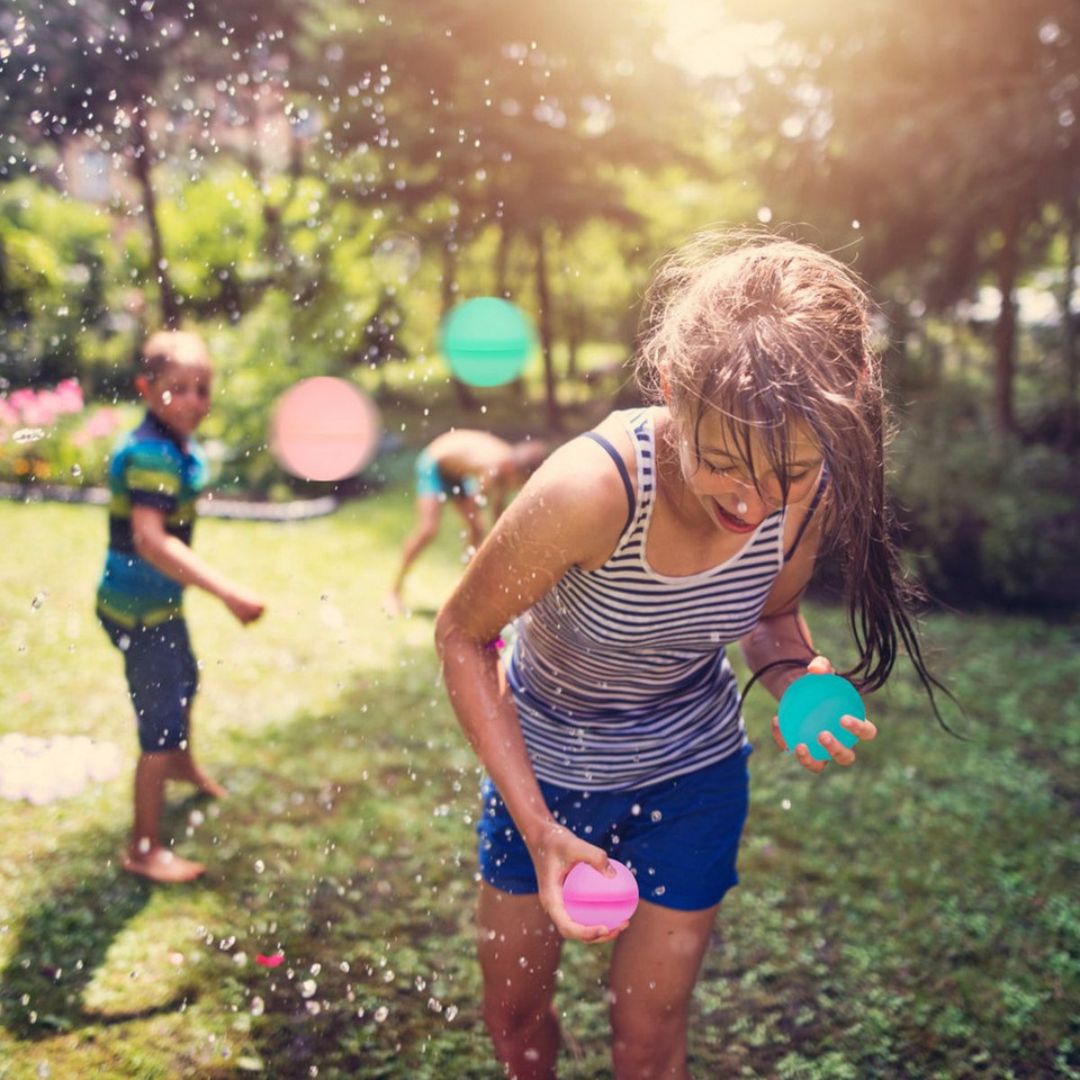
[162, 677]
[679, 837]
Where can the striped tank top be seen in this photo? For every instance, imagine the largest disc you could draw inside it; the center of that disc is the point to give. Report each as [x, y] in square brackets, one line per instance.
[620, 674]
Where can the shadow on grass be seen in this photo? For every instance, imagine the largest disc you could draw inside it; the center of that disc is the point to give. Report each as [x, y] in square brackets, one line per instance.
[363, 844]
[61, 945]
[347, 846]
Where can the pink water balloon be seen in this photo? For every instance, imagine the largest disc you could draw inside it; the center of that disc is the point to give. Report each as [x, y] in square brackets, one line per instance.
[323, 429]
[592, 899]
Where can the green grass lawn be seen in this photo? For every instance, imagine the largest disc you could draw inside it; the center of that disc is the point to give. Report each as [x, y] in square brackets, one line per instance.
[911, 917]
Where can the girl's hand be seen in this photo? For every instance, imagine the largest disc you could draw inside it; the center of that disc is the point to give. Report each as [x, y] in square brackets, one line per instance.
[863, 730]
[555, 852]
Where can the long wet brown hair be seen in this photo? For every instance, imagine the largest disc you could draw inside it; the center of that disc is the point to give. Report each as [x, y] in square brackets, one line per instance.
[770, 332]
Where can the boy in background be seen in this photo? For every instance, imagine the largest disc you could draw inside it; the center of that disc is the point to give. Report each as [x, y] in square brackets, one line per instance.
[471, 469]
[154, 479]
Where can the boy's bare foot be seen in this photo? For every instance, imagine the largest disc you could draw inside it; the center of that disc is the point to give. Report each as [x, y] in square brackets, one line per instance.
[208, 785]
[184, 769]
[161, 865]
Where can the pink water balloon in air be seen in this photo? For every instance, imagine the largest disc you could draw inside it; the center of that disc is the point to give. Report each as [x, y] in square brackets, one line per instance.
[324, 429]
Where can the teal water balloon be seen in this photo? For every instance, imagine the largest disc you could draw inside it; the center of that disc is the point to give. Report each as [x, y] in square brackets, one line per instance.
[814, 704]
[487, 341]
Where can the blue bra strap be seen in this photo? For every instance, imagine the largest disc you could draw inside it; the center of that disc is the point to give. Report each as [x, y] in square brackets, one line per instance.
[621, 466]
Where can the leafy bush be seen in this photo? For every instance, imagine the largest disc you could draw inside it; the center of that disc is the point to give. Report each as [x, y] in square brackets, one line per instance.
[58, 267]
[215, 237]
[256, 361]
[988, 519]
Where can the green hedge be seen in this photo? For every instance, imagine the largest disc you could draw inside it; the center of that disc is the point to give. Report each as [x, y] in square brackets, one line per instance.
[987, 518]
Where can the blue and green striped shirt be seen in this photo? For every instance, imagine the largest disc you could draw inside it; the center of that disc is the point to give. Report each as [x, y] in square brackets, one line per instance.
[150, 467]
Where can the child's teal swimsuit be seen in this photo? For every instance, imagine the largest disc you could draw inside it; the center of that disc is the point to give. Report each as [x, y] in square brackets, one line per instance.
[430, 480]
[137, 604]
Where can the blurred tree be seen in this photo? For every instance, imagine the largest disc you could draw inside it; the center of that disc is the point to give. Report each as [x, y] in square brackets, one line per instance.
[53, 312]
[379, 342]
[1070, 214]
[503, 113]
[943, 130]
[103, 69]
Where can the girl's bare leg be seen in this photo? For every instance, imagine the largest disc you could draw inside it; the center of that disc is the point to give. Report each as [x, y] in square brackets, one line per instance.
[653, 971]
[519, 952]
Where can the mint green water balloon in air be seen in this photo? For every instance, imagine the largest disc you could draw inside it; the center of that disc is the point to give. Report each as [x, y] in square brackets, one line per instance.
[814, 704]
[487, 341]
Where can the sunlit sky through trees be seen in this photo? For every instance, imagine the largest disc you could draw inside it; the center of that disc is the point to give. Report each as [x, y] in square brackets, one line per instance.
[706, 41]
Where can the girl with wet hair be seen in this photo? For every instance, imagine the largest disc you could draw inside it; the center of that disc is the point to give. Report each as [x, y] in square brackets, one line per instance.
[633, 558]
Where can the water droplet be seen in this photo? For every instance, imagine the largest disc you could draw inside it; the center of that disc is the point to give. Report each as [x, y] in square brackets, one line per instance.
[260, 866]
[166, 397]
[381, 1013]
[635, 810]
[258, 1006]
[1049, 32]
[786, 804]
[451, 1012]
[76, 471]
[656, 815]
[39, 599]
[764, 215]
[28, 435]
[308, 988]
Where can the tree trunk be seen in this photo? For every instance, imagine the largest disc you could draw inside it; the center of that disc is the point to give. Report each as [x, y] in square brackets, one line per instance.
[170, 306]
[1008, 269]
[502, 291]
[448, 296]
[543, 296]
[1068, 323]
[502, 263]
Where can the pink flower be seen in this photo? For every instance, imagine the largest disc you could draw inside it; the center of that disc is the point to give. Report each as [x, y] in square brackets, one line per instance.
[22, 399]
[42, 410]
[103, 422]
[271, 961]
[35, 411]
[69, 396]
